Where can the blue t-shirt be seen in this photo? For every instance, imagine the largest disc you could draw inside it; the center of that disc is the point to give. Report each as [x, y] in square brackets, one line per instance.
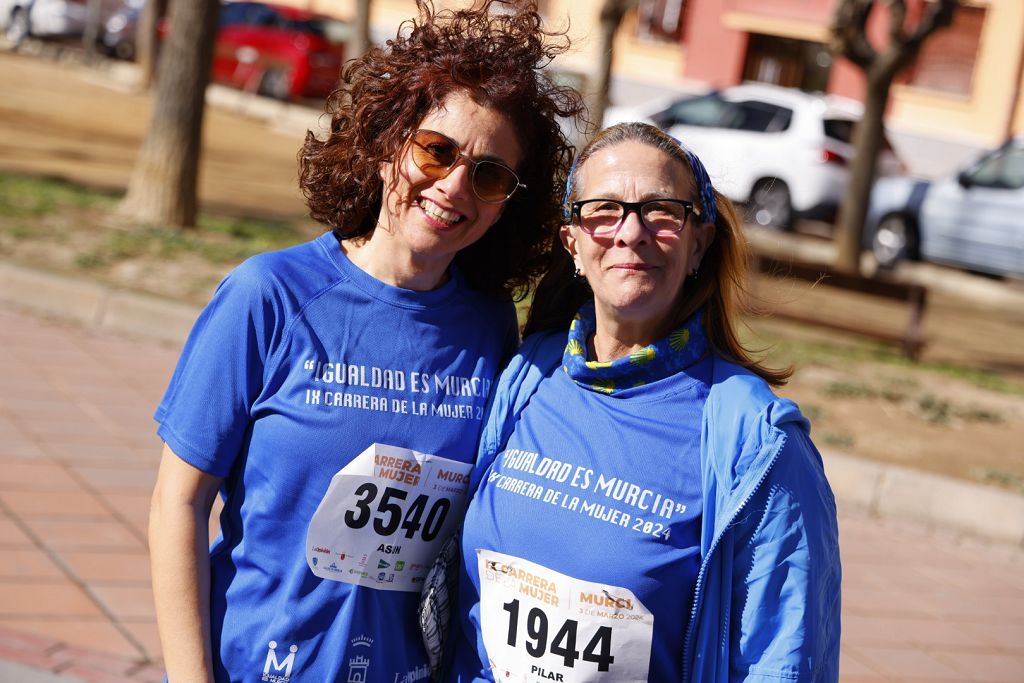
[300, 363]
[581, 546]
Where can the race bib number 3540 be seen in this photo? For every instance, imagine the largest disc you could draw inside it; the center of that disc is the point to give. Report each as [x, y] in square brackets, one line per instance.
[540, 625]
[384, 517]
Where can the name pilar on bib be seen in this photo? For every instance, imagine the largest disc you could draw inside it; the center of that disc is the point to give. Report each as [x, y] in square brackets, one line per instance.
[384, 518]
[541, 625]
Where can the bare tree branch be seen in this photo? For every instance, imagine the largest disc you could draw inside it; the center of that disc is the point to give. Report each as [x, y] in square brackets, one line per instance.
[897, 21]
[938, 15]
[849, 32]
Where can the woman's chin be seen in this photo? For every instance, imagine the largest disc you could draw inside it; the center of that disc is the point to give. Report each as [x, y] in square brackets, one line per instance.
[643, 309]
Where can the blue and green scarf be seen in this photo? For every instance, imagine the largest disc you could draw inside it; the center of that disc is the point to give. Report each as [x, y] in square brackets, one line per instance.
[683, 347]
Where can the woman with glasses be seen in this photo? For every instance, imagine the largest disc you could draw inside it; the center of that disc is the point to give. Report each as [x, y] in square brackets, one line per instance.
[644, 507]
[333, 392]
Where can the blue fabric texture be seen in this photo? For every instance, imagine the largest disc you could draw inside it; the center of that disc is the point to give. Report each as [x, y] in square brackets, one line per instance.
[301, 362]
[766, 604]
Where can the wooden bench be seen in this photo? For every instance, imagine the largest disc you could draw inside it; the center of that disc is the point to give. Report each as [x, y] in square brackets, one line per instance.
[911, 340]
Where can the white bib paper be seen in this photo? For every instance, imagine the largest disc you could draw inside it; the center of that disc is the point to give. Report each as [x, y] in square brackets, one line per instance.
[385, 516]
[540, 625]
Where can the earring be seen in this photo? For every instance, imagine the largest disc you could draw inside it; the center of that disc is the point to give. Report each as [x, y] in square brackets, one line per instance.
[693, 274]
[578, 275]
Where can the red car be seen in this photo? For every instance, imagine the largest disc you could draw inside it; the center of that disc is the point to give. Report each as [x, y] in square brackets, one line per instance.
[279, 51]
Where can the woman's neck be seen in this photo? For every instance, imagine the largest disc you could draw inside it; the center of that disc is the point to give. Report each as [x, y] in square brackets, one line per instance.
[385, 259]
[614, 338]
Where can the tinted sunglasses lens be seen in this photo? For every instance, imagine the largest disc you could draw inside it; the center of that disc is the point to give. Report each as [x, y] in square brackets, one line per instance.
[493, 182]
[665, 218]
[433, 153]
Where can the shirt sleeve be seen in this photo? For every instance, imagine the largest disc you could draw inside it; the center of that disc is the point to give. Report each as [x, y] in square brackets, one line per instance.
[205, 414]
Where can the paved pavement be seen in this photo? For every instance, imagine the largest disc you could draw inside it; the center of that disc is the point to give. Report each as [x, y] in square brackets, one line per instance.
[78, 457]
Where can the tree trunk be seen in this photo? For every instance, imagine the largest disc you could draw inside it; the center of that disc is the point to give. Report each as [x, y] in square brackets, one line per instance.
[93, 19]
[360, 41]
[850, 39]
[612, 12]
[164, 183]
[147, 42]
[867, 141]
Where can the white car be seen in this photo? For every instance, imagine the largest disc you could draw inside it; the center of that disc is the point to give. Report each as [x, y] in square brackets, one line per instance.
[20, 19]
[973, 220]
[782, 152]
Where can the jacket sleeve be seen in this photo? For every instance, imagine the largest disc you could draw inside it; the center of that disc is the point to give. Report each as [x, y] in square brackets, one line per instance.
[784, 616]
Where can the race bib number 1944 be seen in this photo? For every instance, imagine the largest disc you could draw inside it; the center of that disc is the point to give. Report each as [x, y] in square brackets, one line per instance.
[384, 518]
[540, 625]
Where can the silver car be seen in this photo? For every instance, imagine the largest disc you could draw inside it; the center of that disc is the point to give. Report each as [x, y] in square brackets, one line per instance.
[20, 19]
[973, 220]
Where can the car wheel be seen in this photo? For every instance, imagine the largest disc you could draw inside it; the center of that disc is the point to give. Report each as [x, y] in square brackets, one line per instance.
[125, 49]
[895, 239]
[770, 205]
[275, 83]
[18, 29]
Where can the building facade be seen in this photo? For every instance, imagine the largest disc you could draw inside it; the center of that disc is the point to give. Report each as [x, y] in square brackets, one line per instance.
[966, 85]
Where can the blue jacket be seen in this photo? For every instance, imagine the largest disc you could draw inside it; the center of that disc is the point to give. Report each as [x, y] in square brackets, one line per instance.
[766, 606]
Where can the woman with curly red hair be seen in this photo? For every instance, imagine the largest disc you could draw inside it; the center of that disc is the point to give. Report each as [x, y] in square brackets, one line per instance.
[333, 392]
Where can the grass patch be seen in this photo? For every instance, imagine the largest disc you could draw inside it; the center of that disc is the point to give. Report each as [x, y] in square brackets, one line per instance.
[1002, 478]
[783, 351]
[839, 440]
[849, 390]
[46, 208]
[980, 414]
[935, 409]
[812, 411]
[24, 196]
[253, 237]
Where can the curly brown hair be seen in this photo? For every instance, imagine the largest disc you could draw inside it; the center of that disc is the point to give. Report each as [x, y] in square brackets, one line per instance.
[496, 53]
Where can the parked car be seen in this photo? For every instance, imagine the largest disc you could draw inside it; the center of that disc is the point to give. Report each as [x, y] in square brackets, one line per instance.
[278, 51]
[782, 152]
[120, 30]
[973, 220]
[21, 19]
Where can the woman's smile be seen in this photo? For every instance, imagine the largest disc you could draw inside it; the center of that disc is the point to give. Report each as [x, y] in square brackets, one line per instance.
[439, 216]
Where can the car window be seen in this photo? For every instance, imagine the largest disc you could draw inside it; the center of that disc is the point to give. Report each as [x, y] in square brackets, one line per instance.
[233, 13]
[1003, 168]
[839, 129]
[759, 117]
[707, 110]
[261, 15]
[1013, 174]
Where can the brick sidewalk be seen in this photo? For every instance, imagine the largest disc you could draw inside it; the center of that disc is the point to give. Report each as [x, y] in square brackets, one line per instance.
[78, 457]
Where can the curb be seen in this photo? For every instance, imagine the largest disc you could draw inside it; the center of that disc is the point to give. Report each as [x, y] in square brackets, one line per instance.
[95, 305]
[883, 490]
[933, 500]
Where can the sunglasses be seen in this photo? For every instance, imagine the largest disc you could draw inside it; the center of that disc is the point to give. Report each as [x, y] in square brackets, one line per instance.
[436, 155]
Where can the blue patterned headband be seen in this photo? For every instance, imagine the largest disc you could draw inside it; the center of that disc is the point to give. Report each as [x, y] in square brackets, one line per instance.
[700, 175]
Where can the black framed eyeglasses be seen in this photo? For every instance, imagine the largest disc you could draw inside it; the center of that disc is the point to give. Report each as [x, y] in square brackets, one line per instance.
[601, 217]
[436, 155]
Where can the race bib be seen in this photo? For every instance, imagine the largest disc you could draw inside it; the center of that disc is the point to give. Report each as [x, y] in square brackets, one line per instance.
[539, 625]
[385, 516]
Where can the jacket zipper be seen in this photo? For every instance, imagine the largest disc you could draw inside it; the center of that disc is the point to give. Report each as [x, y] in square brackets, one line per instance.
[711, 551]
